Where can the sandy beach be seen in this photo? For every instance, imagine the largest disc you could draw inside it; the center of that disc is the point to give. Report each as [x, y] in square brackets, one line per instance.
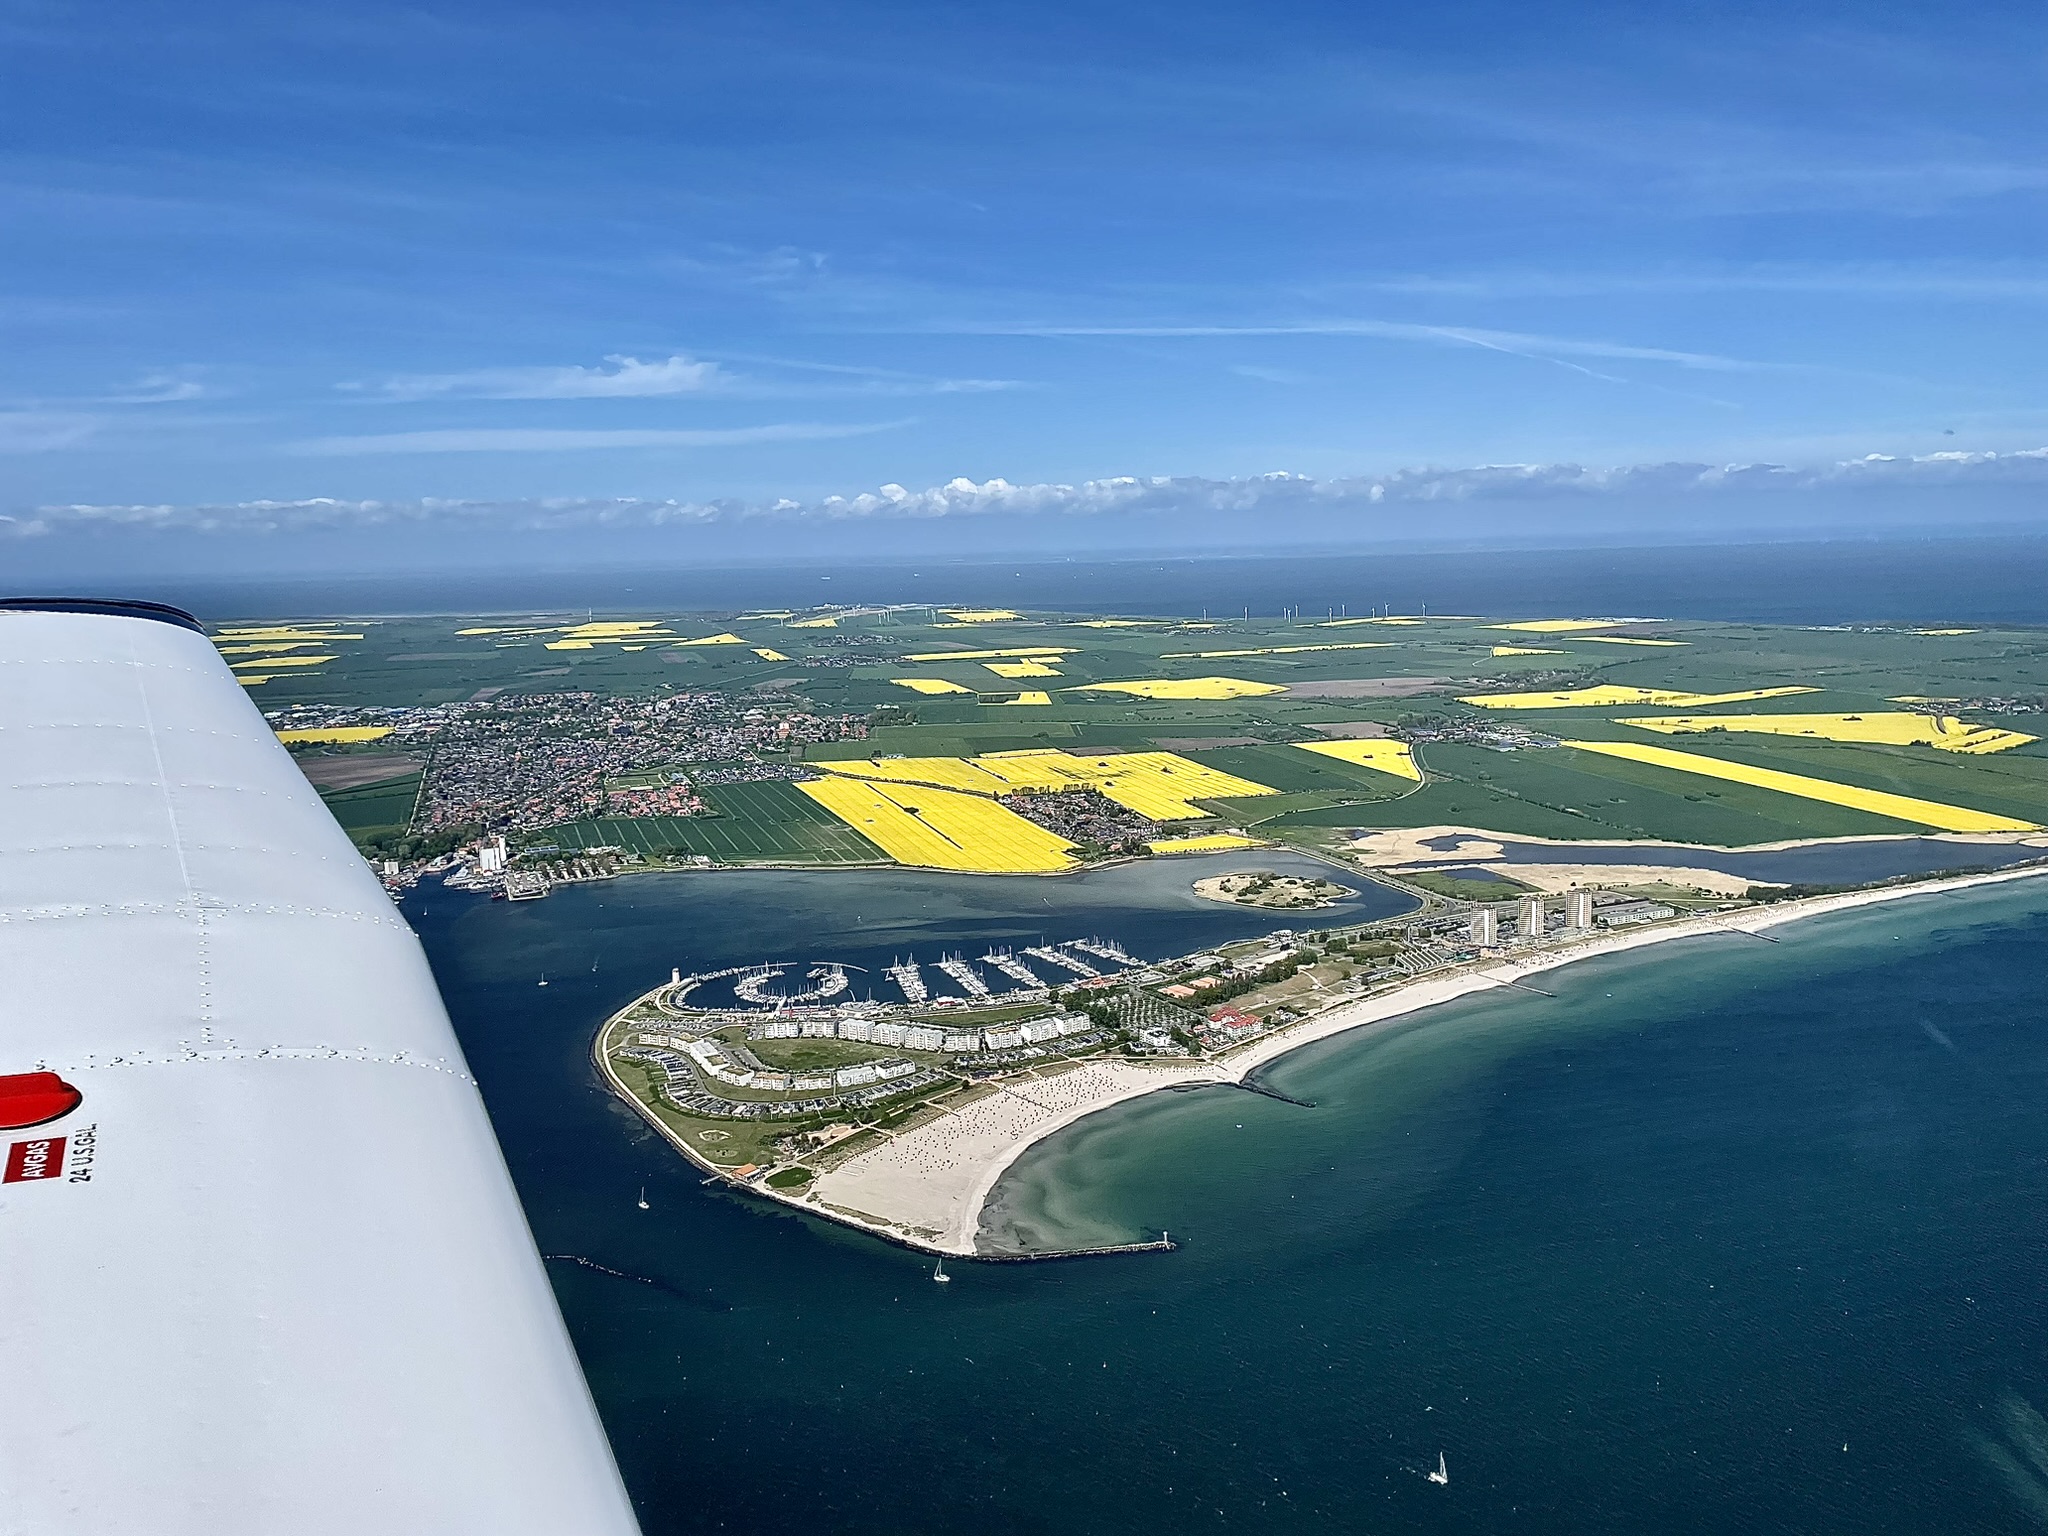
[927, 1186]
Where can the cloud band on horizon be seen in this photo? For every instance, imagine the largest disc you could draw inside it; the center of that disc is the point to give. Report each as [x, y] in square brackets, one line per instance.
[1277, 497]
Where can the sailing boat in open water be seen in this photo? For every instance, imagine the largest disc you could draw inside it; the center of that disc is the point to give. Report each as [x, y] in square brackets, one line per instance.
[939, 1273]
[1442, 1474]
[643, 1197]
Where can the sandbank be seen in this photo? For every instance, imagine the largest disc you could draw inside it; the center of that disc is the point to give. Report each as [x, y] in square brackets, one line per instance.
[1555, 879]
[1387, 847]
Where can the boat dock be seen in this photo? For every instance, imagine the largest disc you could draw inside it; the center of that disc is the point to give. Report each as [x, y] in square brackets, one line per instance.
[1012, 967]
[1060, 957]
[968, 977]
[909, 980]
[1105, 949]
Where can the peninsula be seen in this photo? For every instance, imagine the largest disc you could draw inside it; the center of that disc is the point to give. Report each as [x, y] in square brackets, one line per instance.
[909, 1140]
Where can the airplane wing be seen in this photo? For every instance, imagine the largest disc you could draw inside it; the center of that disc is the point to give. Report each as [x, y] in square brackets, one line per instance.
[262, 1269]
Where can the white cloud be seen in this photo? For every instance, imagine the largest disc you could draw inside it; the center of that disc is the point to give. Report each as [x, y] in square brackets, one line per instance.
[628, 378]
[623, 378]
[44, 431]
[1520, 343]
[159, 389]
[1367, 506]
[570, 440]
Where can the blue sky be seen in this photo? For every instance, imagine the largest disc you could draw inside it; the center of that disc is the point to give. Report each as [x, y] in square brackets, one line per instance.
[725, 258]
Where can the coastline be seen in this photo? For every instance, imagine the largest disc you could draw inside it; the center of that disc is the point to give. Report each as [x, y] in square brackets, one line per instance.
[927, 1188]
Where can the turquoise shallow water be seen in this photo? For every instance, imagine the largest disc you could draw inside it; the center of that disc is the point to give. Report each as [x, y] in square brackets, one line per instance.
[1645, 1256]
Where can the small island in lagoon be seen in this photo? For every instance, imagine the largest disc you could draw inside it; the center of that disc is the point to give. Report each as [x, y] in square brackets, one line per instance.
[1264, 888]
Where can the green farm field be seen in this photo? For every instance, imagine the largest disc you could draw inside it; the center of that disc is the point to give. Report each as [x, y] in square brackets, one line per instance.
[770, 822]
[1487, 769]
[375, 809]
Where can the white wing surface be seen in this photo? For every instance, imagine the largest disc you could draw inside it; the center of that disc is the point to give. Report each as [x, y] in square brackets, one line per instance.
[262, 1269]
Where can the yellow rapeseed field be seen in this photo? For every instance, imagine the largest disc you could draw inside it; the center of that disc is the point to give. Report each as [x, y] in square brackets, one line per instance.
[1186, 688]
[1022, 669]
[1563, 626]
[828, 622]
[1029, 696]
[1370, 752]
[961, 773]
[270, 663]
[1160, 785]
[980, 615]
[1209, 842]
[638, 635]
[724, 639]
[929, 685]
[1523, 650]
[585, 637]
[1944, 631]
[270, 647]
[1405, 618]
[1928, 813]
[1014, 651]
[1279, 650]
[319, 634]
[768, 653]
[1610, 694]
[1891, 728]
[1624, 640]
[915, 824]
[336, 735]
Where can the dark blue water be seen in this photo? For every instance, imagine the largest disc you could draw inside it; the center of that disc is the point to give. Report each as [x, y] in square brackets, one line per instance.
[1973, 581]
[1645, 1257]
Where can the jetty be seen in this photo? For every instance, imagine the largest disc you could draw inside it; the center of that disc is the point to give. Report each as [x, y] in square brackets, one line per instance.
[909, 979]
[753, 988]
[829, 981]
[1106, 949]
[1060, 957]
[968, 977]
[1012, 967]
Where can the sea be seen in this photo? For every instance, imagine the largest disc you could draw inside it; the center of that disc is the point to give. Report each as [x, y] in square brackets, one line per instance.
[1980, 580]
[1725, 1235]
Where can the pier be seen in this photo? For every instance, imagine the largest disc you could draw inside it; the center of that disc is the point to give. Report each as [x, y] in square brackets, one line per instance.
[1160, 1244]
[969, 978]
[1060, 957]
[1012, 967]
[1249, 1086]
[909, 980]
[1106, 949]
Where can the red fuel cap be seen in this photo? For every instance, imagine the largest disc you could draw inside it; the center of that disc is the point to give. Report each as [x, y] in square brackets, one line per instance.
[33, 1098]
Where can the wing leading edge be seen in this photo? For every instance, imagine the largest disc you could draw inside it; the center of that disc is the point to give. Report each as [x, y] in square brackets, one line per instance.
[262, 1269]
